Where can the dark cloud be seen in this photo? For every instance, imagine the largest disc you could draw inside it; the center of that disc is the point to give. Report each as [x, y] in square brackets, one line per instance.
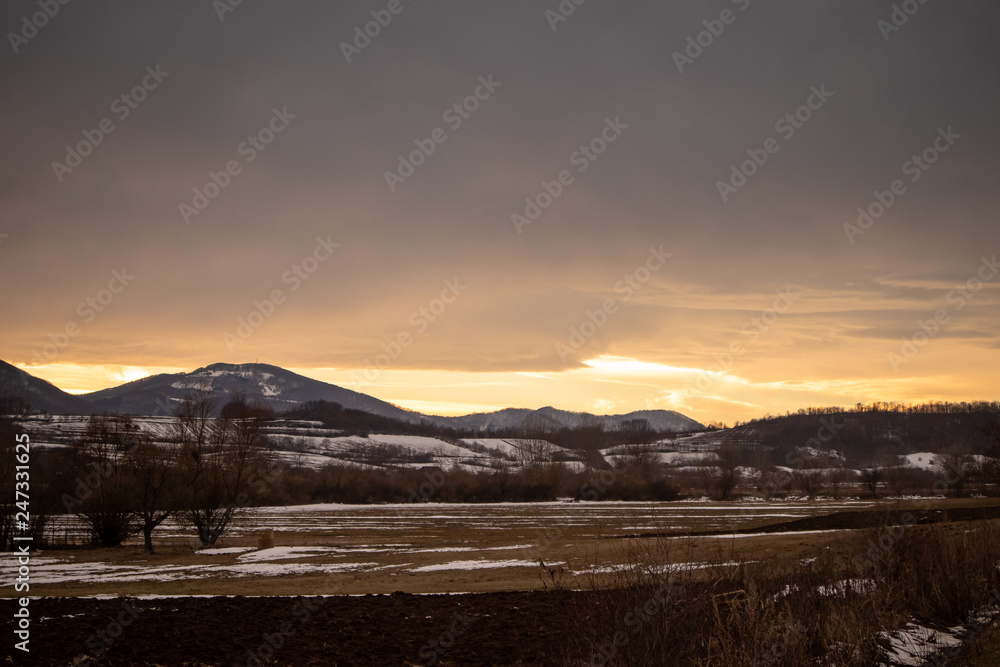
[655, 184]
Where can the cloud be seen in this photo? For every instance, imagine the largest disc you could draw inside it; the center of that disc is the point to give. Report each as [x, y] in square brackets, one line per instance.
[656, 184]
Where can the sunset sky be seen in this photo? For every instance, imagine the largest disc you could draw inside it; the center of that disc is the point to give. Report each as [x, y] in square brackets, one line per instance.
[245, 200]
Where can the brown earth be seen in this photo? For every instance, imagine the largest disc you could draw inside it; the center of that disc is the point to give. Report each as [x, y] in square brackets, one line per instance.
[854, 520]
[530, 628]
[489, 628]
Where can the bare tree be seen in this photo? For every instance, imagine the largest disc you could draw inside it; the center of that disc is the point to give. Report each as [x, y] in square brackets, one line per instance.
[837, 477]
[198, 461]
[532, 453]
[809, 481]
[637, 430]
[708, 478]
[772, 480]
[195, 426]
[958, 465]
[504, 477]
[103, 498]
[729, 476]
[219, 460]
[991, 466]
[870, 478]
[155, 480]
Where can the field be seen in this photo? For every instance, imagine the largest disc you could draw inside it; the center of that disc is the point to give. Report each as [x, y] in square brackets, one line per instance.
[431, 568]
[423, 548]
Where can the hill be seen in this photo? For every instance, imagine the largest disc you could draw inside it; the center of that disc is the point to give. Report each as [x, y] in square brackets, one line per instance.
[21, 391]
[869, 433]
[280, 389]
[288, 392]
[549, 419]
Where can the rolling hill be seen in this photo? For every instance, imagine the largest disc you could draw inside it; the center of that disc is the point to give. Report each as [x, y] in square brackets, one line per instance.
[283, 391]
[18, 388]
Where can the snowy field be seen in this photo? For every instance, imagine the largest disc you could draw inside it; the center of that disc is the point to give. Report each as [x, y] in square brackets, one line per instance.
[368, 543]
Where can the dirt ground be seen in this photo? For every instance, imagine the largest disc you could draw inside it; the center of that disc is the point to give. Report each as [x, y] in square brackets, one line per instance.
[501, 618]
[528, 628]
[400, 547]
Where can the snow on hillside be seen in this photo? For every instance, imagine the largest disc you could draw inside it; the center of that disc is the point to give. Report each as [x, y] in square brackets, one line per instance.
[515, 449]
[419, 444]
[921, 460]
[303, 442]
[933, 462]
[55, 430]
[687, 458]
[309, 443]
[819, 454]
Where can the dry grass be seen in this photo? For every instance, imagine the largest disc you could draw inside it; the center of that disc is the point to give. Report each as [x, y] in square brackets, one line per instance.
[783, 611]
[592, 538]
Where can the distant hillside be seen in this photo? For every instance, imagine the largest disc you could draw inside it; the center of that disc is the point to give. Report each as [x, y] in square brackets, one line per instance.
[285, 391]
[281, 389]
[864, 435]
[359, 422]
[20, 390]
[551, 419]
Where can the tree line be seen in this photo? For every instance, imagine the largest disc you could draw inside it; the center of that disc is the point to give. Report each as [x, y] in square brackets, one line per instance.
[216, 462]
[120, 483]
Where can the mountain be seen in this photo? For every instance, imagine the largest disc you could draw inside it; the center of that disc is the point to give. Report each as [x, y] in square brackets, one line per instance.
[551, 419]
[279, 388]
[283, 390]
[18, 387]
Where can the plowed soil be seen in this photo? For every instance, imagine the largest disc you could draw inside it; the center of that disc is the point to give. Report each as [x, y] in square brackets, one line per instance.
[528, 628]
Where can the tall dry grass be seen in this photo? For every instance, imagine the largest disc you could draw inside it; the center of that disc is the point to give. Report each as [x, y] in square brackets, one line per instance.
[829, 610]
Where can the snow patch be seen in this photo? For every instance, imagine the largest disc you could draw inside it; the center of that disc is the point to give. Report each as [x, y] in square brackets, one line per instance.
[222, 550]
[478, 565]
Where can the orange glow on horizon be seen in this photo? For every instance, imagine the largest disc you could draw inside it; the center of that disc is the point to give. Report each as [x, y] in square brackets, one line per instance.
[603, 385]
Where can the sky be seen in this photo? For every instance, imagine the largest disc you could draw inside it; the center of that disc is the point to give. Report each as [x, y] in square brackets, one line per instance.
[727, 208]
